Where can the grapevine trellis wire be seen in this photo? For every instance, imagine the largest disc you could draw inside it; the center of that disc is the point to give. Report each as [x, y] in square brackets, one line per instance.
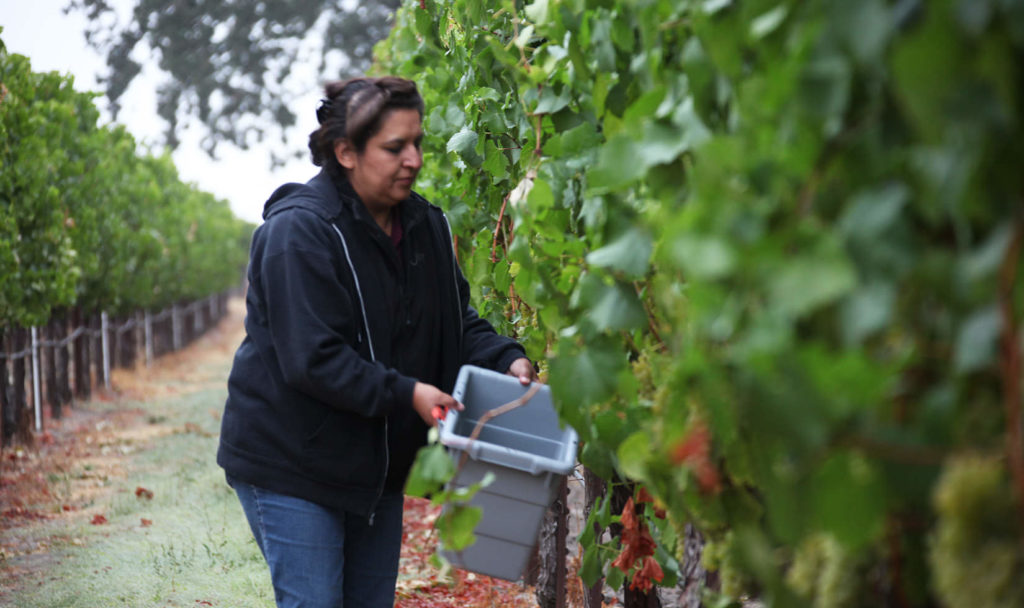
[74, 352]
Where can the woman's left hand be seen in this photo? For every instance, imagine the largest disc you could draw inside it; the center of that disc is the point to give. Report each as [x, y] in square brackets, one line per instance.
[522, 369]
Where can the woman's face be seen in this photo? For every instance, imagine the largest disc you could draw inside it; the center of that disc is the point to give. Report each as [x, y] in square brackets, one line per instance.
[383, 173]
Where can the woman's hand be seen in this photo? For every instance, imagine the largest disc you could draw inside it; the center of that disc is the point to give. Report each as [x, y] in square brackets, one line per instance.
[522, 369]
[425, 398]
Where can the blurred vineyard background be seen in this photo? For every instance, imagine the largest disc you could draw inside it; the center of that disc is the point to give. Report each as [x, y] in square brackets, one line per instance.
[106, 256]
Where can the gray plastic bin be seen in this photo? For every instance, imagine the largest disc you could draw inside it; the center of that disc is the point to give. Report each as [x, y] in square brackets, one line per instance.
[529, 454]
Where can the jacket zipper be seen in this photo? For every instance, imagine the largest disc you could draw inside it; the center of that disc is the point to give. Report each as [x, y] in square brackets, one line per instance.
[373, 357]
[455, 279]
[384, 478]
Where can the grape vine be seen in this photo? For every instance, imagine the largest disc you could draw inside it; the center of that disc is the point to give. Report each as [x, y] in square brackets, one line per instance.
[767, 252]
[86, 219]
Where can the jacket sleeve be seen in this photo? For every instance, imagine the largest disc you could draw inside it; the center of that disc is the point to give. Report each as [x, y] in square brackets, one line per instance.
[312, 320]
[482, 346]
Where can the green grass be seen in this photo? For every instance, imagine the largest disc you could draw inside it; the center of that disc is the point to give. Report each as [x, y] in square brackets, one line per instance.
[198, 550]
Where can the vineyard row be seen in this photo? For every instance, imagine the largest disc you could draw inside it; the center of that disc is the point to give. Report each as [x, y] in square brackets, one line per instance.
[65, 359]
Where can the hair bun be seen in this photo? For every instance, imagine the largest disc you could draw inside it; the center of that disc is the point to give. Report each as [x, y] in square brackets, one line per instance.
[324, 111]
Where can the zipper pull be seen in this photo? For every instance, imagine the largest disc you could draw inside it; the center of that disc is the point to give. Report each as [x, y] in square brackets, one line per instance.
[372, 515]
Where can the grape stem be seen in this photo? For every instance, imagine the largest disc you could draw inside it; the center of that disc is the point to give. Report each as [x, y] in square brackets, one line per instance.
[896, 562]
[652, 324]
[1010, 364]
[497, 229]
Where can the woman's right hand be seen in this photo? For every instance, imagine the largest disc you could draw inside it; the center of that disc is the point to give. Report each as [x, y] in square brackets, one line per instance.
[426, 397]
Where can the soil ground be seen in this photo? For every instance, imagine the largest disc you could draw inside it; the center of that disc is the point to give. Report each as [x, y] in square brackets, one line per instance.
[120, 503]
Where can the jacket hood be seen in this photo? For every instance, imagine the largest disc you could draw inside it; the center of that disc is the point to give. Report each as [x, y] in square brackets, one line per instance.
[326, 198]
[317, 195]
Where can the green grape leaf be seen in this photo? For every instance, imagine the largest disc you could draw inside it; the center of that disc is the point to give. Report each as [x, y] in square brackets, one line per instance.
[617, 307]
[430, 471]
[629, 253]
[550, 102]
[614, 578]
[456, 525]
[463, 142]
[873, 212]
[590, 570]
[867, 310]
[976, 340]
[597, 459]
[495, 161]
[768, 22]
[703, 257]
[633, 454]
[849, 500]
[806, 283]
[582, 376]
[617, 164]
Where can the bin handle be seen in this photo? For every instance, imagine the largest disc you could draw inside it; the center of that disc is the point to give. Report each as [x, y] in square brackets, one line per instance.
[490, 414]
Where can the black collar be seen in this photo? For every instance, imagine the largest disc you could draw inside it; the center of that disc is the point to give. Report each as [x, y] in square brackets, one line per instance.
[411, 210]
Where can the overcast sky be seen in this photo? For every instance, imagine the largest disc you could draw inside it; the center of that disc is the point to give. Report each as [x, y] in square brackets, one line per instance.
[54, 41]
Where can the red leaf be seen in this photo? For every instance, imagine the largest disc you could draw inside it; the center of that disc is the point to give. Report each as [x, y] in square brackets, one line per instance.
[98, 520]
[695, 451]
[651, 571]
[695, 445]
[146, 522]
[644, 496]
[141, 492]
[629, 521]
[707, 478]
[637, 542]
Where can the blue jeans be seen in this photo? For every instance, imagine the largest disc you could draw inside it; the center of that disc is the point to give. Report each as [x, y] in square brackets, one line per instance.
[321, 557]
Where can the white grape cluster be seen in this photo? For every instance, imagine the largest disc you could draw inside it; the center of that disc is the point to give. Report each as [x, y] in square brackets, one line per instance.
[977, 551]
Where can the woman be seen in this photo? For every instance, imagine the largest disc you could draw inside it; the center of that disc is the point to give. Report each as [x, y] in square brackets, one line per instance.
[357, 317]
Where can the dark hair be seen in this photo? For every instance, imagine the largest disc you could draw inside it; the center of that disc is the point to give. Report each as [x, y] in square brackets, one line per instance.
[354, 110]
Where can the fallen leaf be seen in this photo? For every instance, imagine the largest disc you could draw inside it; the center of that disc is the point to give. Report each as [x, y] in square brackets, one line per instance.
[98, 520]
[146, 522]
[192, 427]
[141, 492]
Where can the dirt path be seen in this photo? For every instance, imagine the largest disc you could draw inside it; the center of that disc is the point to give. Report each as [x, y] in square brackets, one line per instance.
[120, 503]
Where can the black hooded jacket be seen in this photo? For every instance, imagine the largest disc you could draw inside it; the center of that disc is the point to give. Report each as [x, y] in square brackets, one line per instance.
[335, 318]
